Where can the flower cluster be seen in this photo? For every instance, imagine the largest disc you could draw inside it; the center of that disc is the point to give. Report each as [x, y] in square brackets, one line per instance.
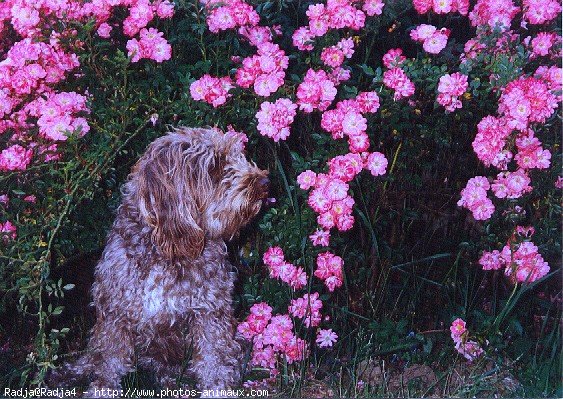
[308, 308]
[141, 13]
[433, 39]
[317, 91]
[231, 14]
[32, 67]
[336, 14]
[152, 45]
[347, 120]
[493, 13]
[474, 197]
[329, 269]
[441, 6]
[212, 90]
[344, 167]
[15, 157]
[274, 119]
[540, 11]
[28, 75]
[490, 141]
[531, 154]
[469, 349]
[398, 80]
[329, 197]
[526, 100]
[553, 78]
[41, 56]
[29, 19]
[451, 87]
[395, 78]
[525, 103]
[28, 72]
[57, 115]
[334, 56]
[285, 271]
[394, 58]
[257, 320]
[265, 71]
[511, 184]
[522, 261]
[506, 185]
[272, 337]
[39, 46]
[330, 200]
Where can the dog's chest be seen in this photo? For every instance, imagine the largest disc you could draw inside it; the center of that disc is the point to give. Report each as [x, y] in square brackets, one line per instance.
[164, 297]
[169, 298]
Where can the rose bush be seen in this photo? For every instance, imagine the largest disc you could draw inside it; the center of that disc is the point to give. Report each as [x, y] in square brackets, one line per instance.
[413, 150]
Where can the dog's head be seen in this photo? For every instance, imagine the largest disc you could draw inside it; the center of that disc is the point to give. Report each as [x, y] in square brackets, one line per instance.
[196, 184]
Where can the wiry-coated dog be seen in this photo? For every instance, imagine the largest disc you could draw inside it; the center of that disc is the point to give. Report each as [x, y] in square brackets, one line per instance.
[164, 283]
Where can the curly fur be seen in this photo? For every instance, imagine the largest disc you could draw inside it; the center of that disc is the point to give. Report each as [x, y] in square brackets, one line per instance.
[164, 283]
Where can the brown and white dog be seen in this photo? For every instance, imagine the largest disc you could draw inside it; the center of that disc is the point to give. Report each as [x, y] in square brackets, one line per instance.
[164, 283]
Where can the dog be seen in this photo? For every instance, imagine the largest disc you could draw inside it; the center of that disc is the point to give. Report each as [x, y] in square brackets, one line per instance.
[164, 282]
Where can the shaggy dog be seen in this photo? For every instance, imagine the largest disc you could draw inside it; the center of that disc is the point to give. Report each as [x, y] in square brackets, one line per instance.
[164, 283]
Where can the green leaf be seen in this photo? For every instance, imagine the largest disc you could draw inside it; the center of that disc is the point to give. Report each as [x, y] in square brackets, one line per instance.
[58, 310]
[367, 70]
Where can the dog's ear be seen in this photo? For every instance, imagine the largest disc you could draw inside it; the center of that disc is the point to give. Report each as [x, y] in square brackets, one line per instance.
[167, 201]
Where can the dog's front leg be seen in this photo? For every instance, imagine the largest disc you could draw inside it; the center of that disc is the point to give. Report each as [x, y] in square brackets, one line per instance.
[112, 355]
[217, 356]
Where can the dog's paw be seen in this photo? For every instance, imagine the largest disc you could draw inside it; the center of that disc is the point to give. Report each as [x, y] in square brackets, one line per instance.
[63, 377]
